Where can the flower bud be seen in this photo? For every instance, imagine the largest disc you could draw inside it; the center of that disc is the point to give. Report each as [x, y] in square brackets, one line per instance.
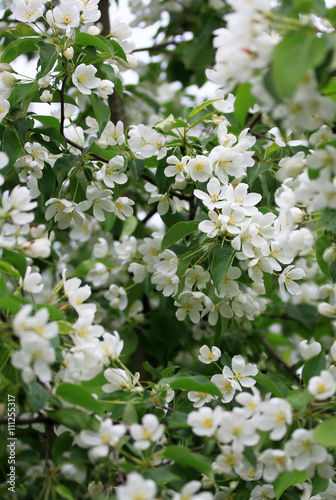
[8, 78]
[6, 67]
[207, 482]
[333, 351]
[46, 96]
[93, 30]
[326, 309]
[39, 248]
[329, 254]
[131, 61]
[68, 53]
[95, 488]
[44, 81]
[102, 143]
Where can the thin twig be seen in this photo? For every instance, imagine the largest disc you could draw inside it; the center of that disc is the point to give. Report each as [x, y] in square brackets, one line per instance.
[153, 48]
[62, 106]
[254, 121]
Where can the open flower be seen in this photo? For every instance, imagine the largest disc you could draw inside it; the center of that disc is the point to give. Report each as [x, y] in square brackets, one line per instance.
[83, 78]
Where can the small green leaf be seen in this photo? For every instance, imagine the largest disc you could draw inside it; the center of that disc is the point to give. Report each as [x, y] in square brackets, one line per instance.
[11, 304]
[72, 418]
[11, 146]
[200, 107]
[183, 456]
[299, 399]
[64, 492]
[98, 42]
[177, 232]
[16, 259]
[48, 121]
[17, 48]
[287, 479]
[130, 415]
[244, 100]
[313, 367]
[293, 57]
[329, 219]
[320, 484]
[78, 396]
[220, 264]
[325, 432]
[20, 30]
[48, 57]
[166, 125]
[137, 166]
[129, 226]
[7, 268]
[37, 395]
[83, 269]
[190, 382]
[101, 111]
[272, 383]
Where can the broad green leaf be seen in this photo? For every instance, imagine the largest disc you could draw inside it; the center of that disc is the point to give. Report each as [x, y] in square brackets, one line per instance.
[322, 243]
[16, 259]
[11, 146]
[78, 396]
[178, 232]
[183, 456]
[11, 304]
[61, 444]
[98, 42]
[48, 182]
[287, 479]
[313, 367]
[48, 57]
[137, 166]
[244, 100]
[86, 266]
[299, 399]
[130, 415]
[7, 268]
[72, 418]
[48, 121]
[329, 219]
[258, 169]
[200, 107]
[101, 111]
[190, 382]
[17, 48]
[21, 90]
[325, 432]
[304, 313]
[64, 492]
[319, 483]
[118, 50]
[272, 383]
[178, 420]
[129, 226]
[220, 264]
[54, 313]
[293, 57]
[37, 395]
[163, 475]
[20, 30]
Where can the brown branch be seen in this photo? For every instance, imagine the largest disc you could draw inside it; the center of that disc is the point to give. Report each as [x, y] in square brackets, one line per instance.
[153, 48]
[254, 121]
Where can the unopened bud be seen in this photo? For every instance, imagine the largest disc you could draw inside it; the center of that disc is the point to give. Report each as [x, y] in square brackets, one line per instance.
[46, 96]
[95, 488]
[68, 53]
[329, 254]
[326, 309]
[6, 67]
[39, 248]
[131, 62]
[207, 482]
[44, 81]
[93, 30]
[8, 78]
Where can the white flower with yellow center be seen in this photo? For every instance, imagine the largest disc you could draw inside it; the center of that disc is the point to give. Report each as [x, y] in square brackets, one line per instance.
[304, 450]
[287, 279]
[200, 168]
[100, 442]
[190, 491]
[66, 15]
[206, 356]
[136, 488]
[322, 386]
[148, 432]
[276, 414]
[122, 207]
[27, 11]
[215, 197]
[205, 421]
[237, 428]
[83, 78]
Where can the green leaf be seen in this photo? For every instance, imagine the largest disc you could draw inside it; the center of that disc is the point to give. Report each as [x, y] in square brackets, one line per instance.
[17, 48]
[78, 396]
[82, 269]
[48, 57]
[293, 57]
[220, 264]
[129, 226]
[64, 327]
[16, 259]
[325, 432]
[48, 182]
[11, 146]
[189, 382]
[258, 169]
[21, 90]
[200, 107]
[313, 367]
[329, 219]
[130, 415]
[272, 383]
[37, 395]
[118, 50]
[320, 484]
[287, 479]
[98, 42]
[150, 369]
[101, 111]
[137, 166]
[183, 456]
[7, 268]
[74, 419]
[163, 475]
[64, 492]
[244, 100]
[322, 243]
[177, 232]
[47, 121]
[11, 304]
[304, 313]
[299, 400]
[20, 30]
